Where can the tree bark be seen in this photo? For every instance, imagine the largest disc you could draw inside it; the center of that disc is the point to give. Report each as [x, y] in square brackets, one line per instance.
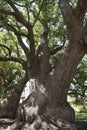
[9, 105]
[48, 99]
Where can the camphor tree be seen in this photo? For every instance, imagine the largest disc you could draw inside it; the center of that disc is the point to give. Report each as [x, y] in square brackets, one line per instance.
[51, 55]
[78, 88]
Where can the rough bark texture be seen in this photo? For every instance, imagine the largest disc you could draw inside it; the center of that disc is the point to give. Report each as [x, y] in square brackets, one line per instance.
[9, 105]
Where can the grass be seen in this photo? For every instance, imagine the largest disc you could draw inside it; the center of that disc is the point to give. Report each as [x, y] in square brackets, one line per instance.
[81, 116]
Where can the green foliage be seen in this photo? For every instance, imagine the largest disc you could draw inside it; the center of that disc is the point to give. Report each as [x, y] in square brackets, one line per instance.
[9, 75]
[79, 87]
[81, 116]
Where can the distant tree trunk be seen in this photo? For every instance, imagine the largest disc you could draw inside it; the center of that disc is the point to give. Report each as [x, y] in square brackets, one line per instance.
[9, 105]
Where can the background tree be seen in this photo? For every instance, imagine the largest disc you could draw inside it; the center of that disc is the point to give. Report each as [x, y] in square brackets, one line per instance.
[37, 28]
[78, 88]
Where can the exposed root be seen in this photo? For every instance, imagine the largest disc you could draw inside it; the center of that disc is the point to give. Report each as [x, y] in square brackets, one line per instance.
[43, 123]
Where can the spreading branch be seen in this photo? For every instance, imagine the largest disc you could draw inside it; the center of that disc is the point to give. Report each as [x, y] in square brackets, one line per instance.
[81, 9]
[17, 14]
[14, 59]
[20, 18]
[67, 11]
[23, 21]
[18, 35]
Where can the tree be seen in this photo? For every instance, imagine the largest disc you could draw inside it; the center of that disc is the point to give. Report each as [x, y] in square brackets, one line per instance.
[10, 77]
[30, 23]
[78, 88]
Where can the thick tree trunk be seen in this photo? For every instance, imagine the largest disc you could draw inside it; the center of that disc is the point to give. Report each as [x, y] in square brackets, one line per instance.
[38, 112]
[9, 105]
[48, 99]
[47, 102]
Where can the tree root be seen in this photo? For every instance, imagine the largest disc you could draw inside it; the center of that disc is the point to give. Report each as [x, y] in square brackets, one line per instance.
[43, 123]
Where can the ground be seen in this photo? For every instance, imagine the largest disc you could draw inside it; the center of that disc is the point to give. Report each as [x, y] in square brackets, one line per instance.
[81, 122]
[5, 123]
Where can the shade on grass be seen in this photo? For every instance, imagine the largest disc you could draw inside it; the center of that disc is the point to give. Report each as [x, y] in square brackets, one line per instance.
[81, 116]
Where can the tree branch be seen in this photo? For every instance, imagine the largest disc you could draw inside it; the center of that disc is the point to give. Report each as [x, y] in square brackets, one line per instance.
[20, 5]
[7, 12]
[38, 14]
[45, 55]
[18, 60]
[28, 14]
[32, 45]
[7, 49]
[17, 14]
[58, 48]
[18, 35]
[5, 59]
[22, 20]
[13, 29]
[25, 49]
[80, 9]
[67, 11]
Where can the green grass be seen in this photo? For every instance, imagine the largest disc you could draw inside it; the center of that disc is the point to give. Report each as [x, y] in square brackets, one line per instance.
[81, 116]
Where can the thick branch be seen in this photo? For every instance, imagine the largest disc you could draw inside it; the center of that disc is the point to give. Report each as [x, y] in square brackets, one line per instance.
[45, 56]
[18, 34]
[26, 51]
[80, 9]
[7, 12]
[18, 60]
[22, 82]
[67, 11]
[32, 45]
[22, 20]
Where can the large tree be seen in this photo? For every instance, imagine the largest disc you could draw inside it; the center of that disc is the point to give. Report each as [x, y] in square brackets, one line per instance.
[33, 24]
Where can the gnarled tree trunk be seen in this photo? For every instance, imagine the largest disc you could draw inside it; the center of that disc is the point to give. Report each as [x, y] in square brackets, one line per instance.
[48, 99]
[47, 106]
[9, 105]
